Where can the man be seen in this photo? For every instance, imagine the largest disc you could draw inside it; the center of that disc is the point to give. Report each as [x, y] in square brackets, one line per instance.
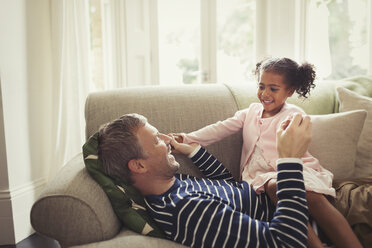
[216, 211]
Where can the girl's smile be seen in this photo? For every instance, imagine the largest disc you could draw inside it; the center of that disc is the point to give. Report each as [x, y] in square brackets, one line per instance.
[272, 93]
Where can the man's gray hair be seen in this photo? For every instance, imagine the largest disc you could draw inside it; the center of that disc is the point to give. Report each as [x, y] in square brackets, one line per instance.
[118, 144]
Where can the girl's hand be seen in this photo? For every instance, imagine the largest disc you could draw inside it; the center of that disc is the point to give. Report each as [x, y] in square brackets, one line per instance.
[177, 136]
[182, 148]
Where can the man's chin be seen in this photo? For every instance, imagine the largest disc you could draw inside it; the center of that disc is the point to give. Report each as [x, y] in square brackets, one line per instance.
[176, 165]
[173, 162]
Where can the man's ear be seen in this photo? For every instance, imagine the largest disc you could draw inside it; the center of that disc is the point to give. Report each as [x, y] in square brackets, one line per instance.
[136, 166]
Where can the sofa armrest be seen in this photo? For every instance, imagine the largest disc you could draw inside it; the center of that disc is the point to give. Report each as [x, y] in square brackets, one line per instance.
[73, 209]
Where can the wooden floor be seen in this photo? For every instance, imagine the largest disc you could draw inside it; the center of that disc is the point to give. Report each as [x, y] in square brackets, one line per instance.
[35, 241]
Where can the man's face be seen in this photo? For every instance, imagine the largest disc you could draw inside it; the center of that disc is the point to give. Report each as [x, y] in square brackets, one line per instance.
[159, 161]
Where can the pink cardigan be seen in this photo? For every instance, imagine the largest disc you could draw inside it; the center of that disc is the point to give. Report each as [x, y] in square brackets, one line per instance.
[255, 128]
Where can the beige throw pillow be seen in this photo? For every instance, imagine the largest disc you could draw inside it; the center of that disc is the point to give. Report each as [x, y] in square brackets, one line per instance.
[335, 139]
[350, 100]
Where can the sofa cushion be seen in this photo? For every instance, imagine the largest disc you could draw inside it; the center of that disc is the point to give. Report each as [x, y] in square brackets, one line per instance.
[335, 139]
[350, 100]
[128, 239]
[126, 201]
[172, 109]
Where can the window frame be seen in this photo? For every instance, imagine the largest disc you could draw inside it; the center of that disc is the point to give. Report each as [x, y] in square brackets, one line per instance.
[281, 30]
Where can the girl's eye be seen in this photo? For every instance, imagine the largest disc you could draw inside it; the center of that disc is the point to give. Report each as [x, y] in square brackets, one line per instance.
[261, 87]
[274, 89]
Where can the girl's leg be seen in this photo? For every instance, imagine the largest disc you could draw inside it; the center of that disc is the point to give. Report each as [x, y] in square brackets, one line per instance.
[313, 240]
[331, 221]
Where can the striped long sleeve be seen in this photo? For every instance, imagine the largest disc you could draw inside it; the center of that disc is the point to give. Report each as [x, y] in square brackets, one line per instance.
[219, 212]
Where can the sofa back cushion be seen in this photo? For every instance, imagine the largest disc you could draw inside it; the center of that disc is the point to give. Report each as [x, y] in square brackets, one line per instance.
[181, 108]
[350, 100]
[334, 141]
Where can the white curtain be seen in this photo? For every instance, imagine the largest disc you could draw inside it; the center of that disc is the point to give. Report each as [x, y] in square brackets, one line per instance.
[71, 51]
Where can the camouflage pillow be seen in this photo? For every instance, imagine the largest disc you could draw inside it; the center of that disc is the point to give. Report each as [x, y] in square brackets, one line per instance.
[128, 204]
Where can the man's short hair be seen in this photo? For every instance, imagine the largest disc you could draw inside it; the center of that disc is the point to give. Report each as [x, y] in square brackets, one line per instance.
[118, 144]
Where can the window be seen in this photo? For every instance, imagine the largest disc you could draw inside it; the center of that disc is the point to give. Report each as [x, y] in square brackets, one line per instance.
[179, 41]
[139, 42]
[235, 40]
[180, 24]
[348, 37]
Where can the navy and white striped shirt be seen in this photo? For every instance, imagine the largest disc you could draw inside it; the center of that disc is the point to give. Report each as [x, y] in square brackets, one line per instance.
[220, 212]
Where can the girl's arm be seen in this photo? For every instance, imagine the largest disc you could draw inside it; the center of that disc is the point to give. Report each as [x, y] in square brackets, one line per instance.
[217, 131]
[206, 162]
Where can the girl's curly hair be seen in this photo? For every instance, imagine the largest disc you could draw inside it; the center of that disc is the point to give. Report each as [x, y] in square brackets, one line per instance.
[301, 77]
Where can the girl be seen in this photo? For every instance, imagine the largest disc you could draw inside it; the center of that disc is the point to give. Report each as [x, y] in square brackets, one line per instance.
[278, 79]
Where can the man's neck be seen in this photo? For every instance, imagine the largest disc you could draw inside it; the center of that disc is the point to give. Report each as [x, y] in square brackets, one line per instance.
[156, 187]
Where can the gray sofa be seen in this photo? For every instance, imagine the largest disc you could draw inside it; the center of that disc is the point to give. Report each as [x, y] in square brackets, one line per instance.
[74, 210]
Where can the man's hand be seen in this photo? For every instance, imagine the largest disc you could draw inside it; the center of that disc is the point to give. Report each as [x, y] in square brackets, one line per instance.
[182, 148]
[293, 136]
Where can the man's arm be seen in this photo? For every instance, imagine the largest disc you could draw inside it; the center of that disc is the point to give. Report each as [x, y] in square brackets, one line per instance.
[206, 162]
[203, 221]
[293, 136]
[210, 166]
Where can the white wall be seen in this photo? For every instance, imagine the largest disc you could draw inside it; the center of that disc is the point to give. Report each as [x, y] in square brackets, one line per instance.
[25, 112]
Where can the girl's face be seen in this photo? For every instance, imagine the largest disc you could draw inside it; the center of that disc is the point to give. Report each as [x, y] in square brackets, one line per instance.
[272, 93]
